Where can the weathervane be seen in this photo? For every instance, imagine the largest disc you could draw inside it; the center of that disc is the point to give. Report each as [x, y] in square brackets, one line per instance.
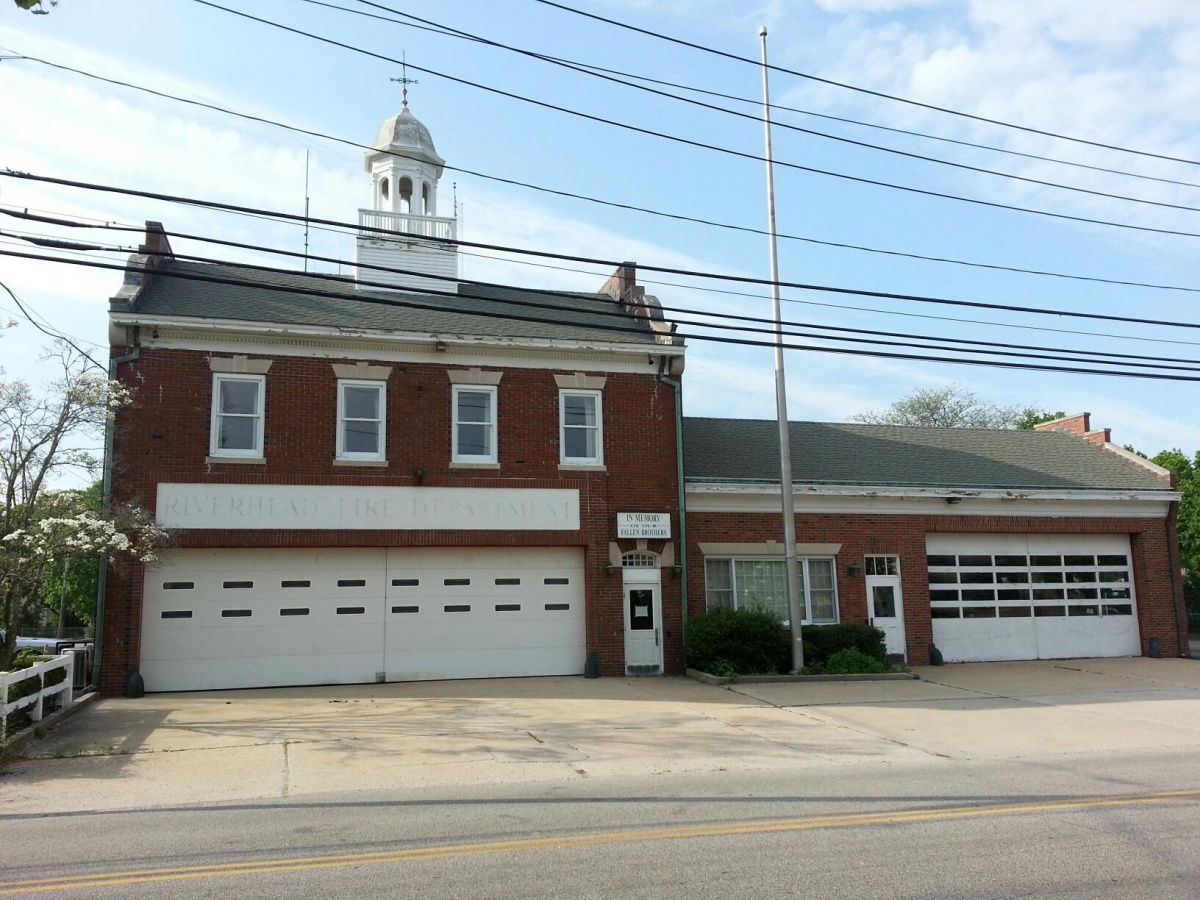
[404, 81]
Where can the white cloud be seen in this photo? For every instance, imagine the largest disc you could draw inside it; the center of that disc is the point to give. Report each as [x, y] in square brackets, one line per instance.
[737, 17]
[845, 7]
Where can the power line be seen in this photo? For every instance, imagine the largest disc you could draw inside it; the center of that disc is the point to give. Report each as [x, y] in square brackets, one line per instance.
[873, 310]
[611, 77]
[991, 204]
[868, 91]
[54, 217]
[410, 304]
[1141, 361]
[446, 31]
[840, 245]
[55, 333]
[741, 279]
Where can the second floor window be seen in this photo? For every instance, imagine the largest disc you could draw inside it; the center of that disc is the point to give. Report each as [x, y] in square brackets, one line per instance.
[361, 420]
[237, 415]
[474, 437]
[580, 428]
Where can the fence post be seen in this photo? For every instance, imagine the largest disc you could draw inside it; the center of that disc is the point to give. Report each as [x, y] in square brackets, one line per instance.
[36, 715]
[68, 696]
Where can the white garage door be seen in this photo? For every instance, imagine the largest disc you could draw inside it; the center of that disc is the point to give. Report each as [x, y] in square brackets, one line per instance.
[267, 618]
[998, 597]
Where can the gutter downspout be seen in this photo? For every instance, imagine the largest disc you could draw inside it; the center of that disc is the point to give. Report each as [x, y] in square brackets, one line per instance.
[1171, 526]
[683, 545]
[105, 502]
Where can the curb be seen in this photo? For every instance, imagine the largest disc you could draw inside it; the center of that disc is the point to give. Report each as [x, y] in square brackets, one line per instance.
[789, 679]
[48, 723]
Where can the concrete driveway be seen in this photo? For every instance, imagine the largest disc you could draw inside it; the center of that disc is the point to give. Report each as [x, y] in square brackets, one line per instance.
[167, 749]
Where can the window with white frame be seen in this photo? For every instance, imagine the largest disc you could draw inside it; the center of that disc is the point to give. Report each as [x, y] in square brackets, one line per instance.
[237, 415]
[762, 584]
[474, 424]
[361, 428]
[580, 431]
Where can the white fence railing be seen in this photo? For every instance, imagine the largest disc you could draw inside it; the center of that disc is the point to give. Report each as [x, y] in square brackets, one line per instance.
[403, 223]
[38, 699]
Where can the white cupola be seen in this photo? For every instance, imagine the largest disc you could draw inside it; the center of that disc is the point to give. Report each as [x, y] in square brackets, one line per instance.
[402, 230]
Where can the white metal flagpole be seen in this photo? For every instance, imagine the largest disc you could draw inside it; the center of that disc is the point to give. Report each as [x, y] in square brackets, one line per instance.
[795, 600]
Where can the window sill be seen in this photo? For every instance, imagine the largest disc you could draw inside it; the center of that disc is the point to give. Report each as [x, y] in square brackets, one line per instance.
[581, 467]
[486, 466]
[236, 460]
[369, 463]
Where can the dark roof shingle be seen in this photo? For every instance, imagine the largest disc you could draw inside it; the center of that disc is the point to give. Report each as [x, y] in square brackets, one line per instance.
[747, 450]
[186, 289]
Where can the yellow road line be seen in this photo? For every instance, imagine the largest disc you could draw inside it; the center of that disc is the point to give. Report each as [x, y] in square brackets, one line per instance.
[596, 839]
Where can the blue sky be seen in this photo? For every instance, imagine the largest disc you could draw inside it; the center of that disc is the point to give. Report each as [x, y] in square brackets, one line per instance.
[1106, 70]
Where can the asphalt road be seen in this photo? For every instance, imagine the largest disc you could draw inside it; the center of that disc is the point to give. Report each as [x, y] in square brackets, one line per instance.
[1087, 825]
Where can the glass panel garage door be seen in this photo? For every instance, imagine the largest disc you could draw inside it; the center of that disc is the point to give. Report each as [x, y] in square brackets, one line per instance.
[995, 597]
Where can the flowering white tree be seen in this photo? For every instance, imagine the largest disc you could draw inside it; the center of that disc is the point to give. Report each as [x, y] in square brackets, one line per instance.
[41, 434]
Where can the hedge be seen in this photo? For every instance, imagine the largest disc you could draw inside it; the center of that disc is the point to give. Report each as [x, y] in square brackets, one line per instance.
[821, 642]
[731, 642]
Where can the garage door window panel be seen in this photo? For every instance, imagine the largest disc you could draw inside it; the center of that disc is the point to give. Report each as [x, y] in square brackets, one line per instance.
[362, 418]
[1050, 577]
[237, 415]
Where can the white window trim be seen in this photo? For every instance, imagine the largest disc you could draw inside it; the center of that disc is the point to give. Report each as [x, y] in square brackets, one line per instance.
[349, 455]
[598, 459]
[215, 418]
[494, 424]
[802, 562]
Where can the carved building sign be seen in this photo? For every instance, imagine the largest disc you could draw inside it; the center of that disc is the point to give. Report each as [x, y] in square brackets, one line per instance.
[268, 506]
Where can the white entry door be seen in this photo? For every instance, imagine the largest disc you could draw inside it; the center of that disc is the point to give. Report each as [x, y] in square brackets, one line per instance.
[643, 629]
[886, 607]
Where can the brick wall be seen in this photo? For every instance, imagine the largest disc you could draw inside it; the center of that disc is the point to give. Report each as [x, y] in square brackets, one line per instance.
[1158, 600]
[163, 436]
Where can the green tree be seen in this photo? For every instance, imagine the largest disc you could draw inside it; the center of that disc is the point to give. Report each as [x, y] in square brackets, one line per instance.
[953, 407]
[37, 7]
[82, 576]
[1031, 417]
[1187, 480]
[40, 525]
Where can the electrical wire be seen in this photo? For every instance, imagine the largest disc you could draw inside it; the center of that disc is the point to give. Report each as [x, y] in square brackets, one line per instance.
[741, 279]
[868, 91]
[1094, 355]
[446, 31]
[453, 32]
[740, 154]
[53, 332]
[510, 316]
[875, 310]
[745, 229]
[56, 218]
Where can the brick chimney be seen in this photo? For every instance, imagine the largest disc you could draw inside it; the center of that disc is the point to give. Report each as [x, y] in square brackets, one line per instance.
[622, 285]
[139, 270]
[1079, 424]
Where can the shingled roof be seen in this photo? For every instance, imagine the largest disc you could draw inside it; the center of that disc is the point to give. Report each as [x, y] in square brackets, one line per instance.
[747, 451]
[202, 291]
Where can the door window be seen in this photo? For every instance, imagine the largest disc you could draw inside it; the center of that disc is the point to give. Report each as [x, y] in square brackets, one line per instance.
[883, 599]
[641, 609]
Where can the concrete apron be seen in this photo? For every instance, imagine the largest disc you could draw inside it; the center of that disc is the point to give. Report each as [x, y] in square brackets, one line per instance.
[167, 749]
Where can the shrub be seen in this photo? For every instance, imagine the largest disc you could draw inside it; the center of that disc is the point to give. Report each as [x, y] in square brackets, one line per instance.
[733, 642]
[822, 642]
[854, 662]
